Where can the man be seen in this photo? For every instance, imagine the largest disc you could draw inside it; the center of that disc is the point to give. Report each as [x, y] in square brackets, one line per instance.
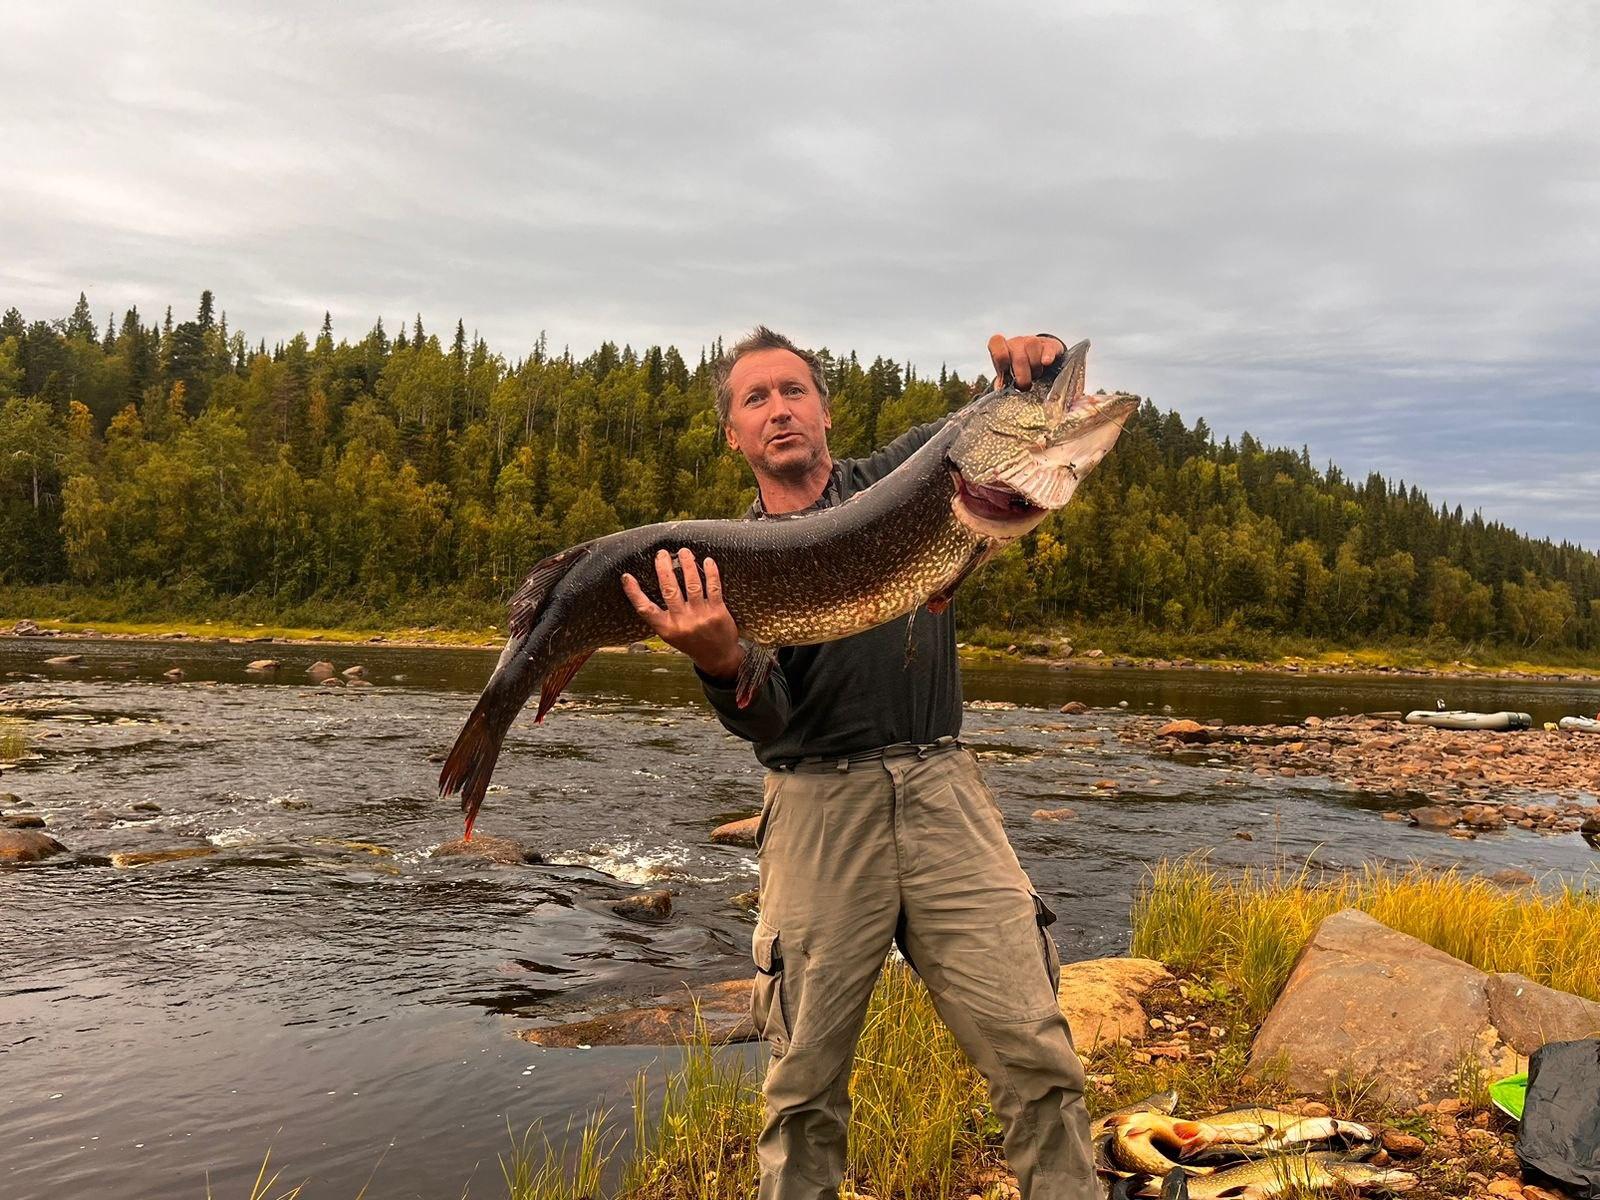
[876, 825]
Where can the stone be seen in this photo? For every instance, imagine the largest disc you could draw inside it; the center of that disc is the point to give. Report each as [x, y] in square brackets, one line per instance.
[145, 806]
[1100, 999]
[1528, 1014]
[355, 672]
[264, 664]
[667, 1020]
[25, 628]
[321, 670]
[1436, 816]
[100, 816]
[175, 675]
[1074, 708]
[646, 906]
[145, 858]
[1505, 1187]
[1511, 877]
[27, 845]
[64, 660]
[736, 833]
[1094, 653]
[1184, 731]
[1105, 785]
[749, 902]
[638, 647]
[1403, 1145]
[488, 848]
[23, 821]
[10, 798]
[1365, 1005]
[1244, 835]
[1054, 814]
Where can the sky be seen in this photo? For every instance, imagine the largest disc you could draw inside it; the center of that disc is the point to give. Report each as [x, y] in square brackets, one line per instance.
[1368, 228]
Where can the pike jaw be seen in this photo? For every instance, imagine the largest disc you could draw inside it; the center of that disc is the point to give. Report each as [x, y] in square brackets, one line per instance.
[1020, 457]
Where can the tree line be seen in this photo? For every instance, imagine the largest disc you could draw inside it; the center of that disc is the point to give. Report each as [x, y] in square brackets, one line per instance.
[180, 455]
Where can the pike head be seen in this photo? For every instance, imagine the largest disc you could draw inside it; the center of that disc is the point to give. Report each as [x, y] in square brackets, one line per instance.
[1021, 455]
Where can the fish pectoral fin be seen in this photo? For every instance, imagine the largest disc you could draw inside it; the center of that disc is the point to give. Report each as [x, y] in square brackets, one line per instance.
[759, 659]
[530, 597]
[556, 682]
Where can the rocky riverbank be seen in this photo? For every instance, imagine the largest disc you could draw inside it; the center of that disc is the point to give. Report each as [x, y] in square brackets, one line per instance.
[1458, 781]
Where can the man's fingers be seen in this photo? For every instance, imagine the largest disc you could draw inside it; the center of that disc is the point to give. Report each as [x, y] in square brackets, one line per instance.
[1053, 349]
[642, 604]
[1022, 363]
[691, 574]
[713, 581]
[667, 577]
[1000, 355]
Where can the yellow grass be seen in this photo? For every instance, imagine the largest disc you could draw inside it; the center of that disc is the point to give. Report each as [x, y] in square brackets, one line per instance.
[1245, 929]
[13, 740]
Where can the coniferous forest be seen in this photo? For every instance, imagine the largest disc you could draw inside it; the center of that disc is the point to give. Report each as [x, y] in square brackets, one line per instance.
[153, 457]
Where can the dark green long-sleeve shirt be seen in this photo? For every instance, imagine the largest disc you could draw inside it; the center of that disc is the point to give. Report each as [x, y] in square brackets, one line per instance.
[859, 693]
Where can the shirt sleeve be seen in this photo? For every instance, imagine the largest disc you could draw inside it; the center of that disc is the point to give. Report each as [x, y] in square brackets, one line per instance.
[867, 471]
[764, 718]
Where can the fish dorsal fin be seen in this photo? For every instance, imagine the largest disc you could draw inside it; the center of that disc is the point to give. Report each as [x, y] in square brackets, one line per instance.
[556, 682]
[530, 597]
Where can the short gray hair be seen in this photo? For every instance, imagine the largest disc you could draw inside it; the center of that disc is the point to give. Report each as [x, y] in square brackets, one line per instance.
[762, 338]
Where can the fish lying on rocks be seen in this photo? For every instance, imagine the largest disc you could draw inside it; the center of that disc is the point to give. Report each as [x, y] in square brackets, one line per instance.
[1280, 1175]
[996, 469]
[1157, 1102]
[1141, 1142]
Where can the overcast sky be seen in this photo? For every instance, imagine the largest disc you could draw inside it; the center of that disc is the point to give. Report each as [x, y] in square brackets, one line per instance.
[1373, 228]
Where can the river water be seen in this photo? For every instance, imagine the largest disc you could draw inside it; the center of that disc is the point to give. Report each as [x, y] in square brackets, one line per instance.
[164, 1025]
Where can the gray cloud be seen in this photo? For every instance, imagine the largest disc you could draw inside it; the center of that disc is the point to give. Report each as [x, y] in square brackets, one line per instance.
[1371, 229]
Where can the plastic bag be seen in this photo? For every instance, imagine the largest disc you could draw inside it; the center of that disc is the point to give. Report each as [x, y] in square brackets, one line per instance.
[1561, 1117]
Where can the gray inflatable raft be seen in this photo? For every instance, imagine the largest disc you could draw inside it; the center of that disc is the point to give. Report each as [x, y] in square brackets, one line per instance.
[1469, 720]
[1580, 724]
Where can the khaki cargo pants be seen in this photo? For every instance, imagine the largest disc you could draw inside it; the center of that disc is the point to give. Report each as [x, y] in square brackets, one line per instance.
[915, 844]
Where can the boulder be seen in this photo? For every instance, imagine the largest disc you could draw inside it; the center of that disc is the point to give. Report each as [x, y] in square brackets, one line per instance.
[27, 845]
[64, 660]
[100, 817]
[485, 846]
[1074, 707]
[736, 833]
[355, 672]
[145, 858]
[22, 821]
[667, 1020]
[264, 664]
[646, 906]
[25, 628]
[1100, 999]
[1184, 731]
[1094, 654]
[1054, 814]
[1436, 816]
[321, 670]
[1365, 1005]
[1528, 1014]
[175, 675]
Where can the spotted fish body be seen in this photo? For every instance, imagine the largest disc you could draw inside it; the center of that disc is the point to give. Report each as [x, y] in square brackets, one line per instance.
[988, 476]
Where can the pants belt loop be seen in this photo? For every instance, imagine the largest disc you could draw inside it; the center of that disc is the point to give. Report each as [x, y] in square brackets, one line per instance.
[844, 766]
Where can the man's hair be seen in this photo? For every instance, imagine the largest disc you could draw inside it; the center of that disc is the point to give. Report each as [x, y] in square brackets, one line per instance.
[762, 338]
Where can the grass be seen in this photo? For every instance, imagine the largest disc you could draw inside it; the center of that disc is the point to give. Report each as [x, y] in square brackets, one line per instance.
[1246, 929]
[13, 740]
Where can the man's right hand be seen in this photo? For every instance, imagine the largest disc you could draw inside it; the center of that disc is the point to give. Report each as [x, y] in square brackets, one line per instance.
[694, 619]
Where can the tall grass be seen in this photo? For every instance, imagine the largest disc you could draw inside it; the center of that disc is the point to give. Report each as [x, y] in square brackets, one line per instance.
[1246, 928]
[13, 740]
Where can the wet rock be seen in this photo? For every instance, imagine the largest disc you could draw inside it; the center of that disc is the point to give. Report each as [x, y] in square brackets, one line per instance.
[667, 1020]
[749, 902]
[1244, 835]
[1366, 1002]
[355, 672]
[736, 833]
[100, 817]
[27, 845]
[488, 848]
[176, 675]
[1436, 816]
[1105, 785]
[1184, 731]
[320, 670]
[264, 665]
[359, 683]
[22, 821]
[64, 660]
[1074, 707]
[1100, 999]
[25, 628]
[1054, 814]
[145, 858]
[1511, 877]
[646, 906]
[638, 647]
[1094, 653]
[1483, 816]
[10, 798]
[145, 806]
[290, 803]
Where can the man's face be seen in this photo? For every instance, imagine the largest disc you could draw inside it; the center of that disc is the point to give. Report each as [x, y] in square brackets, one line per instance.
[778, 420]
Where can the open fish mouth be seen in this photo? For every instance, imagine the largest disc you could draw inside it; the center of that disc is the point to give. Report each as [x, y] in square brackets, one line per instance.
[996, 504]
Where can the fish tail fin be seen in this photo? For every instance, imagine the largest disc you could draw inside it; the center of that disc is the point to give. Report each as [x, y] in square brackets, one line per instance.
[471, 760]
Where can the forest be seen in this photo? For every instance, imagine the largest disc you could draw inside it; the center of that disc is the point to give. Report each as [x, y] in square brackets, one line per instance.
[178, 463]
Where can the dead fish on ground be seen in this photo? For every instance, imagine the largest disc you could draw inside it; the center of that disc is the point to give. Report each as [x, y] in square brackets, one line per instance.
[1268, 1131]
[1278, 1176]
[991, 474]
[1157, 1102]
[1140, 1140]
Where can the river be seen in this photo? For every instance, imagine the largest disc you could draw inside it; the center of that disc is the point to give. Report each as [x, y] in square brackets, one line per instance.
[352, 1010]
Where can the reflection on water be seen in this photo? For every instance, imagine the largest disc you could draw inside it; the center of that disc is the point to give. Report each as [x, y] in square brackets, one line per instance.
[318, 983]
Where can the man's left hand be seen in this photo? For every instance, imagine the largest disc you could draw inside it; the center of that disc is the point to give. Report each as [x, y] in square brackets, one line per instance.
[1025, 358]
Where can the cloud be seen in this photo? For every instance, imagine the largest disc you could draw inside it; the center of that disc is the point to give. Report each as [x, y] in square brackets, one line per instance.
[1369, 228]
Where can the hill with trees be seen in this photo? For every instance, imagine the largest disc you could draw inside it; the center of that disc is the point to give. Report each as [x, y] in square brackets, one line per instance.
[179, 465]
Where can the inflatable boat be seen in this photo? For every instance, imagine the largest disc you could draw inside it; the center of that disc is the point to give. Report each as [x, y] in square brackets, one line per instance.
[1455, 719]
[1580, 724]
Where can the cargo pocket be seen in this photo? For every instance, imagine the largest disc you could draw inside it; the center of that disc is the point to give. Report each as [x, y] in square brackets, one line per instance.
[1052, 954]
[769, 800]
[766, 997]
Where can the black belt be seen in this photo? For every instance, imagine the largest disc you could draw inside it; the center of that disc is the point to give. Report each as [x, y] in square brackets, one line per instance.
[843, 763]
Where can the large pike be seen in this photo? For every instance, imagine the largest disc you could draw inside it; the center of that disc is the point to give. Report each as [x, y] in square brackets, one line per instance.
[996, 469]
